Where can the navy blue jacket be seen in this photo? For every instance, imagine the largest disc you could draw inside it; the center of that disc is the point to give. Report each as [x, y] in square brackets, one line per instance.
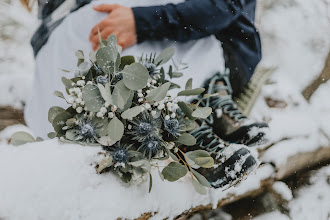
[232, 22]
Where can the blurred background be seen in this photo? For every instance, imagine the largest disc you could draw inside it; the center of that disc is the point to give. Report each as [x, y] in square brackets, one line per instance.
[294, 100]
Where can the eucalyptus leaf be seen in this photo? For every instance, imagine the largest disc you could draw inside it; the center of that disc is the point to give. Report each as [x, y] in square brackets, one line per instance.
[83, 68]
[112, 43]
[53, 112]
[159, 93]
[150, 182]
[92, 56]
[60, 120]
[102, 124]
[105, 92]
[186, 139]
[201, 179]
[186, 110]
[81, 57]
[174, 86]
[191, 92]
[164, 56]
[21, 137]
[106, 141]
[115, 129]
[174, 171]
[132, 112]
[170, 72]
[173, 157]
[126, 60]
[120, 94]
[135, 76]
[67, 83]
[105, 163]
[92, 98]
[202, 112]
[51, 135]
[177, 75]
[201, 158]
[59, 94]
[198, 187]
[106, 58]
[188, 84]
[71, 135]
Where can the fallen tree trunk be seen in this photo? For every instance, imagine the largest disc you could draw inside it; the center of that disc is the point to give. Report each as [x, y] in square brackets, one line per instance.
[322, 78]
[294, 164]
[10, 116]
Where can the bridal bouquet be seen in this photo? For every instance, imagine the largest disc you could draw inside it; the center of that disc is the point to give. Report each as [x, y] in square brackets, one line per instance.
[124, 106]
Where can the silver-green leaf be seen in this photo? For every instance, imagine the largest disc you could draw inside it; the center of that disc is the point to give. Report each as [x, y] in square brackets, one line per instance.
[191, 92]
[21, 137]
[189, 84]
[135, 76]
[120, 94]
[201, 179]
[92, 98]
[159, 93]
[115, 129]
[198, 187]
[165, 56]
[186, 139]
[53, 112]
[174, 171]
[105, 92]
[59, 94]
[132, 112]
[106, 58]
[202, 112]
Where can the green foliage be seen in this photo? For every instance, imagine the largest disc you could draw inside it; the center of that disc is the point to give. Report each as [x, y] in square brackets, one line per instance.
[186, 139]
[191, 92]
[159, 93]
[132, 112]
[202, 112]
[53, 112]
[115, 129]
[92, 97]
[120, 94]
[21, 137]
[201, 158]
[135, 76]
[164, 56]
[174, 171]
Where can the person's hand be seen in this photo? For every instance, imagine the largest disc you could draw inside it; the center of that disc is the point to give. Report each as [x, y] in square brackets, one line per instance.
[120, 22]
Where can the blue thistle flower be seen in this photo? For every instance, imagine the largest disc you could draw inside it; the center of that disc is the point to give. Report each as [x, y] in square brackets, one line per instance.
[102, 79]
[152, 146]
[86, 130]
[172, 126]
[120, 154]
[151, 67]
[145, 127]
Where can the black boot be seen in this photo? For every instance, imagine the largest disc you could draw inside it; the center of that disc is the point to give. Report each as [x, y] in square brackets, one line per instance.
[227, 121]
[232, 161]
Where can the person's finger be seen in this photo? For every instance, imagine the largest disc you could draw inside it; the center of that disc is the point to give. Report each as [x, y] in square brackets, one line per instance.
[106, 7]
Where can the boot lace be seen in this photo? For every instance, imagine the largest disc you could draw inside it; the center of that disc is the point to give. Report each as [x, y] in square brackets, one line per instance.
[226, 103]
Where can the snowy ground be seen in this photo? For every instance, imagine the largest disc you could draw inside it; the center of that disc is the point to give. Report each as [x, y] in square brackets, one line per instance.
[295, 36]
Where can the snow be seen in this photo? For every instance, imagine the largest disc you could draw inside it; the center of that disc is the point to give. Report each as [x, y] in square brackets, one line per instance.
[52, 180]
[16, 56]
[282, 189]
[272, 216]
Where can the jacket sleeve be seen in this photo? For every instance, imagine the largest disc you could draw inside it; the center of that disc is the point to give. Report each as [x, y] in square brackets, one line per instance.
[190, 20]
